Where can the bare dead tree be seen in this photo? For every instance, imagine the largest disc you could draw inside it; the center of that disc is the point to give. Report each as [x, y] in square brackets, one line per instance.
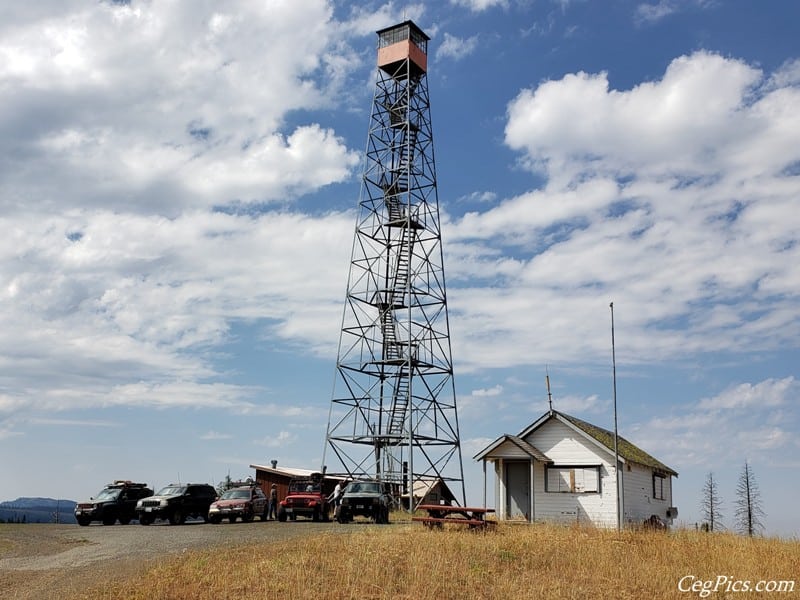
[749, 509]
[711, 504]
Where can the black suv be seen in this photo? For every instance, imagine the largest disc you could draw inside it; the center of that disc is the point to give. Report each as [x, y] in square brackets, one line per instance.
[371, 499]
[176, 502]
[116, 501]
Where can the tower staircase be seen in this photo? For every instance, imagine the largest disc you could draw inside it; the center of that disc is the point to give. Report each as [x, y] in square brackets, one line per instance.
[393, 410]
[398, 213]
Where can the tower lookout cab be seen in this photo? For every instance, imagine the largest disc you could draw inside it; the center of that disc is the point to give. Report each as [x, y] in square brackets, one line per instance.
[403, 46]
[393, 411]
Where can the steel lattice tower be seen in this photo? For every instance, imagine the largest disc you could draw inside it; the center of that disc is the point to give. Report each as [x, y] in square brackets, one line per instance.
[393, 410]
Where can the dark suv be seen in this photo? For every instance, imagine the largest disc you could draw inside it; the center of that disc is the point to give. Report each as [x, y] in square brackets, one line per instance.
[176, 502]
[372, 499]
[115, 502]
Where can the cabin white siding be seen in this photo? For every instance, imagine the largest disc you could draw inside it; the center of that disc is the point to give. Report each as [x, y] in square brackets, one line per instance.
[512, 451]
[569, 477]
[565, 446]
[640, 502]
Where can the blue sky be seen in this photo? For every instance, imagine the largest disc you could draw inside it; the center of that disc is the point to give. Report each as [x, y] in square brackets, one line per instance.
[178, 184]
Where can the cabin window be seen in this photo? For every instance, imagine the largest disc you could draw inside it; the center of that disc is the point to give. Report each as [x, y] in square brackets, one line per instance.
[659, 486]
[572, 479]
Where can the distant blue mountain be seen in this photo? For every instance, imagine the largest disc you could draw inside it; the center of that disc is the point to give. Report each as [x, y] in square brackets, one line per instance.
[37, 510]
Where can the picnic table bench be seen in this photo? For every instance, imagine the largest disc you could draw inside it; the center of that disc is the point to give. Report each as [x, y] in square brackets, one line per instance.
[439, 514]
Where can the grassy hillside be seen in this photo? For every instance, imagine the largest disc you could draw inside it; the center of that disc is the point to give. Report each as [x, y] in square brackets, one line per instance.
[515, 561]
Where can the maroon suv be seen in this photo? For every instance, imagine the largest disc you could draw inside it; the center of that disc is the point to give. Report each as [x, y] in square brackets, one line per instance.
[242, 502]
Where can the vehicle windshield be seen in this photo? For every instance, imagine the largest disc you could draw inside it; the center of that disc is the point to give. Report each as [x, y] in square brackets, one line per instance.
[359, 487]
[230, 494]
[108, 494]
[304, 486]
[171, 490]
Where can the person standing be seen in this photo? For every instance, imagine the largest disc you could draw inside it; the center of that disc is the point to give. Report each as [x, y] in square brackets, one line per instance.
[272, 513]
[336, 498]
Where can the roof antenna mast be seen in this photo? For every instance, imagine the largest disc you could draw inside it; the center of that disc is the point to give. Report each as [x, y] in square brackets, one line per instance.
[549, 395]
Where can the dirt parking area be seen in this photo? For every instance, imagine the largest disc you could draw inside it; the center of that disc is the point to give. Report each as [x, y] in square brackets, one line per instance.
[59, 561]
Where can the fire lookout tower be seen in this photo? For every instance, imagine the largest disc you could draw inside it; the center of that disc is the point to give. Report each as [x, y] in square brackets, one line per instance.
[393, 411]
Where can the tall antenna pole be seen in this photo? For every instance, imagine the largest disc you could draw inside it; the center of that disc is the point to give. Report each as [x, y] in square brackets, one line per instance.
[618, 471]
[549, 395]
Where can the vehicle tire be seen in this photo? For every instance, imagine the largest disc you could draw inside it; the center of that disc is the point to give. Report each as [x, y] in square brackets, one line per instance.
[214, 520]
[232, 519]
[315, 517]
[145, 520]
[109, 520]
[248, 517]
[124, 520]
[84, 521]
[176, 517]
[281, 515]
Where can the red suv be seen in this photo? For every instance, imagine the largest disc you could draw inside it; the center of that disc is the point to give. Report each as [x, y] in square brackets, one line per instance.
[306, 499]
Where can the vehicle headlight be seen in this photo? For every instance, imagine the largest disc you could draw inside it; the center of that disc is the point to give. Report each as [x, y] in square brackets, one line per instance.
[164, 503]
[138, 504]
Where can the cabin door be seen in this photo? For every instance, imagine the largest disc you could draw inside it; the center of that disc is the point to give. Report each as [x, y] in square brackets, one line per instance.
[518, 490]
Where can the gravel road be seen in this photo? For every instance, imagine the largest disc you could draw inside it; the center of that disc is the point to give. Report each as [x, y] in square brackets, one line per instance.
[57, 561]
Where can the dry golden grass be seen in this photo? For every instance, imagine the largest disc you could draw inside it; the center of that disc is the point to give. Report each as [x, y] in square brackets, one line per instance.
[407, 561]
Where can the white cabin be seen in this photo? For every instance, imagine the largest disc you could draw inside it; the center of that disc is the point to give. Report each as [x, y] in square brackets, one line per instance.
[561, 469]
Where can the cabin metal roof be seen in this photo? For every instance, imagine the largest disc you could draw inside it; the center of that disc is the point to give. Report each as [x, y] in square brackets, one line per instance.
[526, 447]
[626, 449]
[603, 438]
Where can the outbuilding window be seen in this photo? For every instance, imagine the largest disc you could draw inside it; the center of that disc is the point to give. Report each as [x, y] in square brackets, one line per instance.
[659, 486]
[572, 479]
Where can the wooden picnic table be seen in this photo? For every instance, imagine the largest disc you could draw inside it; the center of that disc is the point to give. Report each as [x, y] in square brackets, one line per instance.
[439, 514]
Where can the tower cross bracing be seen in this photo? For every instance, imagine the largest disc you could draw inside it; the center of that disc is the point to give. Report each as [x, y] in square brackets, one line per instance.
[393, 410]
